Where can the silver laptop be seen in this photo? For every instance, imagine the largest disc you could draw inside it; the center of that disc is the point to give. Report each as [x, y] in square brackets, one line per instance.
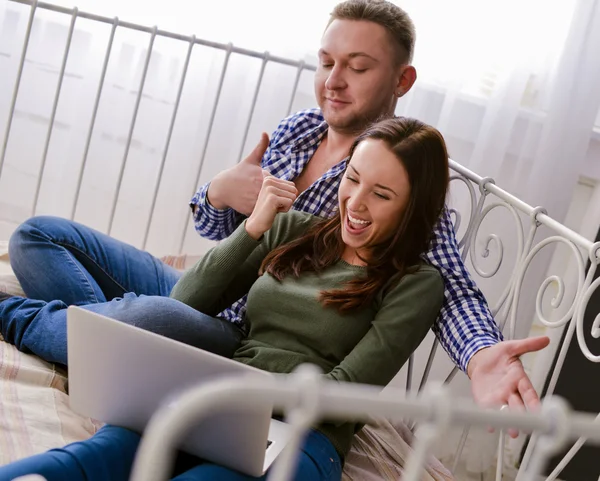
[120, 374]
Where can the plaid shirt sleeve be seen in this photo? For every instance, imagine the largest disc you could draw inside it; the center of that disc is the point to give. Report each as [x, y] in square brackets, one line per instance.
[210, 222]
[465, 324]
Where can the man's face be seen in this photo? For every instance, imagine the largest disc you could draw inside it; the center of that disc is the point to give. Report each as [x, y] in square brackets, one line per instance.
[357, 77]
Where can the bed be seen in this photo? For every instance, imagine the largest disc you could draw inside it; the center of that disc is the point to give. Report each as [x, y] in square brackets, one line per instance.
[34, 411]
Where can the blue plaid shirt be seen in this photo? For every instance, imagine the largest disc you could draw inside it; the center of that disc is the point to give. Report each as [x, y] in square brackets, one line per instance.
[465, 324]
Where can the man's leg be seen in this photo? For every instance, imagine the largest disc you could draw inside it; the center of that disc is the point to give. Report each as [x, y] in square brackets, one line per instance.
[57, 259]
[41, 327]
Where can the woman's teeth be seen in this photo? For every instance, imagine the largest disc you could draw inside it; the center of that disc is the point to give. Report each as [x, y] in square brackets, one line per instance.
[359, 223]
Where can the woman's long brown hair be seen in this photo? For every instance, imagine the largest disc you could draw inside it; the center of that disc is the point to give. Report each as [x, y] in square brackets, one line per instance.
[422, 151]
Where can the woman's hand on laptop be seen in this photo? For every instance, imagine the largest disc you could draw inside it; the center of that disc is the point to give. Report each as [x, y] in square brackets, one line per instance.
[276, 195]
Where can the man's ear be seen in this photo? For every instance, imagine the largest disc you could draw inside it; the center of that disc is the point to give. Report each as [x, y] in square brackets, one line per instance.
[406, 80]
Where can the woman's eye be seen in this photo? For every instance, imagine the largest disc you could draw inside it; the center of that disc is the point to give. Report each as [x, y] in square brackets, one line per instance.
[352, 179]
[382, 196]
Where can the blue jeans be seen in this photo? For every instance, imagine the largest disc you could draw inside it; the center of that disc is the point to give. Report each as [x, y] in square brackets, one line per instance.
[60, 263]
[109, 455]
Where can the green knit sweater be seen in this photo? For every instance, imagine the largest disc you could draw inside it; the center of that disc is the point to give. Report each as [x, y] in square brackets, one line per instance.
[289, 326]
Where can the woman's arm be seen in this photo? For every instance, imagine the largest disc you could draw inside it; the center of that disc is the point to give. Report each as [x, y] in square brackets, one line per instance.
[228, 270]
[407, 312]
[223, 275]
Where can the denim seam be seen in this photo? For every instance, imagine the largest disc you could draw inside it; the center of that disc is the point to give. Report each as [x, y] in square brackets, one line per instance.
[66, 244]
[82, 275]
[158, 276]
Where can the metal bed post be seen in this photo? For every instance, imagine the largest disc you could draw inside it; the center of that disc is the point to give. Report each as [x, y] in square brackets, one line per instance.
[61, 77]
[88, 141]
[13, 102]
[168, 141]
[253, 104]
[295, 87]
[576, 324]
[211, 122]
[131, 129]
[347, 401]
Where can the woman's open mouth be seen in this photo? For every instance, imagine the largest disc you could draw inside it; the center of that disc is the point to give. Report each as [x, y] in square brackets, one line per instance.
[356, 226]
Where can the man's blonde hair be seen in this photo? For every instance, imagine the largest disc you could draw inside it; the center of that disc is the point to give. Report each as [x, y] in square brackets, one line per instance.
[391, 17]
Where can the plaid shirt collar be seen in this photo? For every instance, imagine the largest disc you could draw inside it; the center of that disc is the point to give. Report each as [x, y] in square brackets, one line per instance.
[307, 143]
[311, 138]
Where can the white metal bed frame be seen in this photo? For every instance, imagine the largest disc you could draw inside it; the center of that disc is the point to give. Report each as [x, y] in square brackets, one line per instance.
[301, 389]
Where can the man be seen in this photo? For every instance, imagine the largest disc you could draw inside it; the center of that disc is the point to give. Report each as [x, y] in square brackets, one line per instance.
[364, 67]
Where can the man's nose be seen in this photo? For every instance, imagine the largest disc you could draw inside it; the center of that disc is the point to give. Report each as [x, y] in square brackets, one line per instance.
[336, 80]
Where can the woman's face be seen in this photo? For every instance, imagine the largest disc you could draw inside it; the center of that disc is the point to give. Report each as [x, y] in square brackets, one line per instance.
[373, 195]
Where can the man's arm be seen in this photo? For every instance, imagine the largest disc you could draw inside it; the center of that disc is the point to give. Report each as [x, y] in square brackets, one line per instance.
[468, 332]
[465, 324]
[210, 222]
[498, 378]
[220, 206]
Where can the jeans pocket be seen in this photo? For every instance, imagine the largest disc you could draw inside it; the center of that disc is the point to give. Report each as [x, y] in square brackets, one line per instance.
[335, 471]
[324, 456]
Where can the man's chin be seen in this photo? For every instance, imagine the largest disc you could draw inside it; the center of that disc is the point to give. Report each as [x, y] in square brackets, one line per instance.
[345, 125]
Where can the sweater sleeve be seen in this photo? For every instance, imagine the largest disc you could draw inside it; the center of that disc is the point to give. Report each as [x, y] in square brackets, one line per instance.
[228, 270]
[407, 312]
[223, 275]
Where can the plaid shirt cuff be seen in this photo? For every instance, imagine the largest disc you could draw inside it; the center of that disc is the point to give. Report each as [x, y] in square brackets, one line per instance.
[205, 209]
[474, 345]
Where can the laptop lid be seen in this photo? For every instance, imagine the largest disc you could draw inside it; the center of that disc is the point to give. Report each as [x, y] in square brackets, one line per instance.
[120, 374]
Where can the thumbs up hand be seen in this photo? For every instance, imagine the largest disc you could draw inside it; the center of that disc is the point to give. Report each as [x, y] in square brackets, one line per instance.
[255, 157]
[238, 186]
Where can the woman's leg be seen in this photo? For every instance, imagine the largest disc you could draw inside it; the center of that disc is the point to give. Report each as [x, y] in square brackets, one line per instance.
[106, 456]
[318, 461]
[109, 456]
[57, 259]
[41, 327]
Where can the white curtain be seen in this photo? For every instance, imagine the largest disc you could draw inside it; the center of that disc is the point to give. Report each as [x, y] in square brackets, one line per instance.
[516, 89]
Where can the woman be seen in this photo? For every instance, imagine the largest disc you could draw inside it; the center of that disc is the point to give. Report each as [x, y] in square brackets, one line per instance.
[349, 294]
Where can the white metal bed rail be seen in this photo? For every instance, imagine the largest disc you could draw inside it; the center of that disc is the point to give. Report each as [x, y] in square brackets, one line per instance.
[484, 197]
[75, 13]
[307, 398]
[505, 311]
